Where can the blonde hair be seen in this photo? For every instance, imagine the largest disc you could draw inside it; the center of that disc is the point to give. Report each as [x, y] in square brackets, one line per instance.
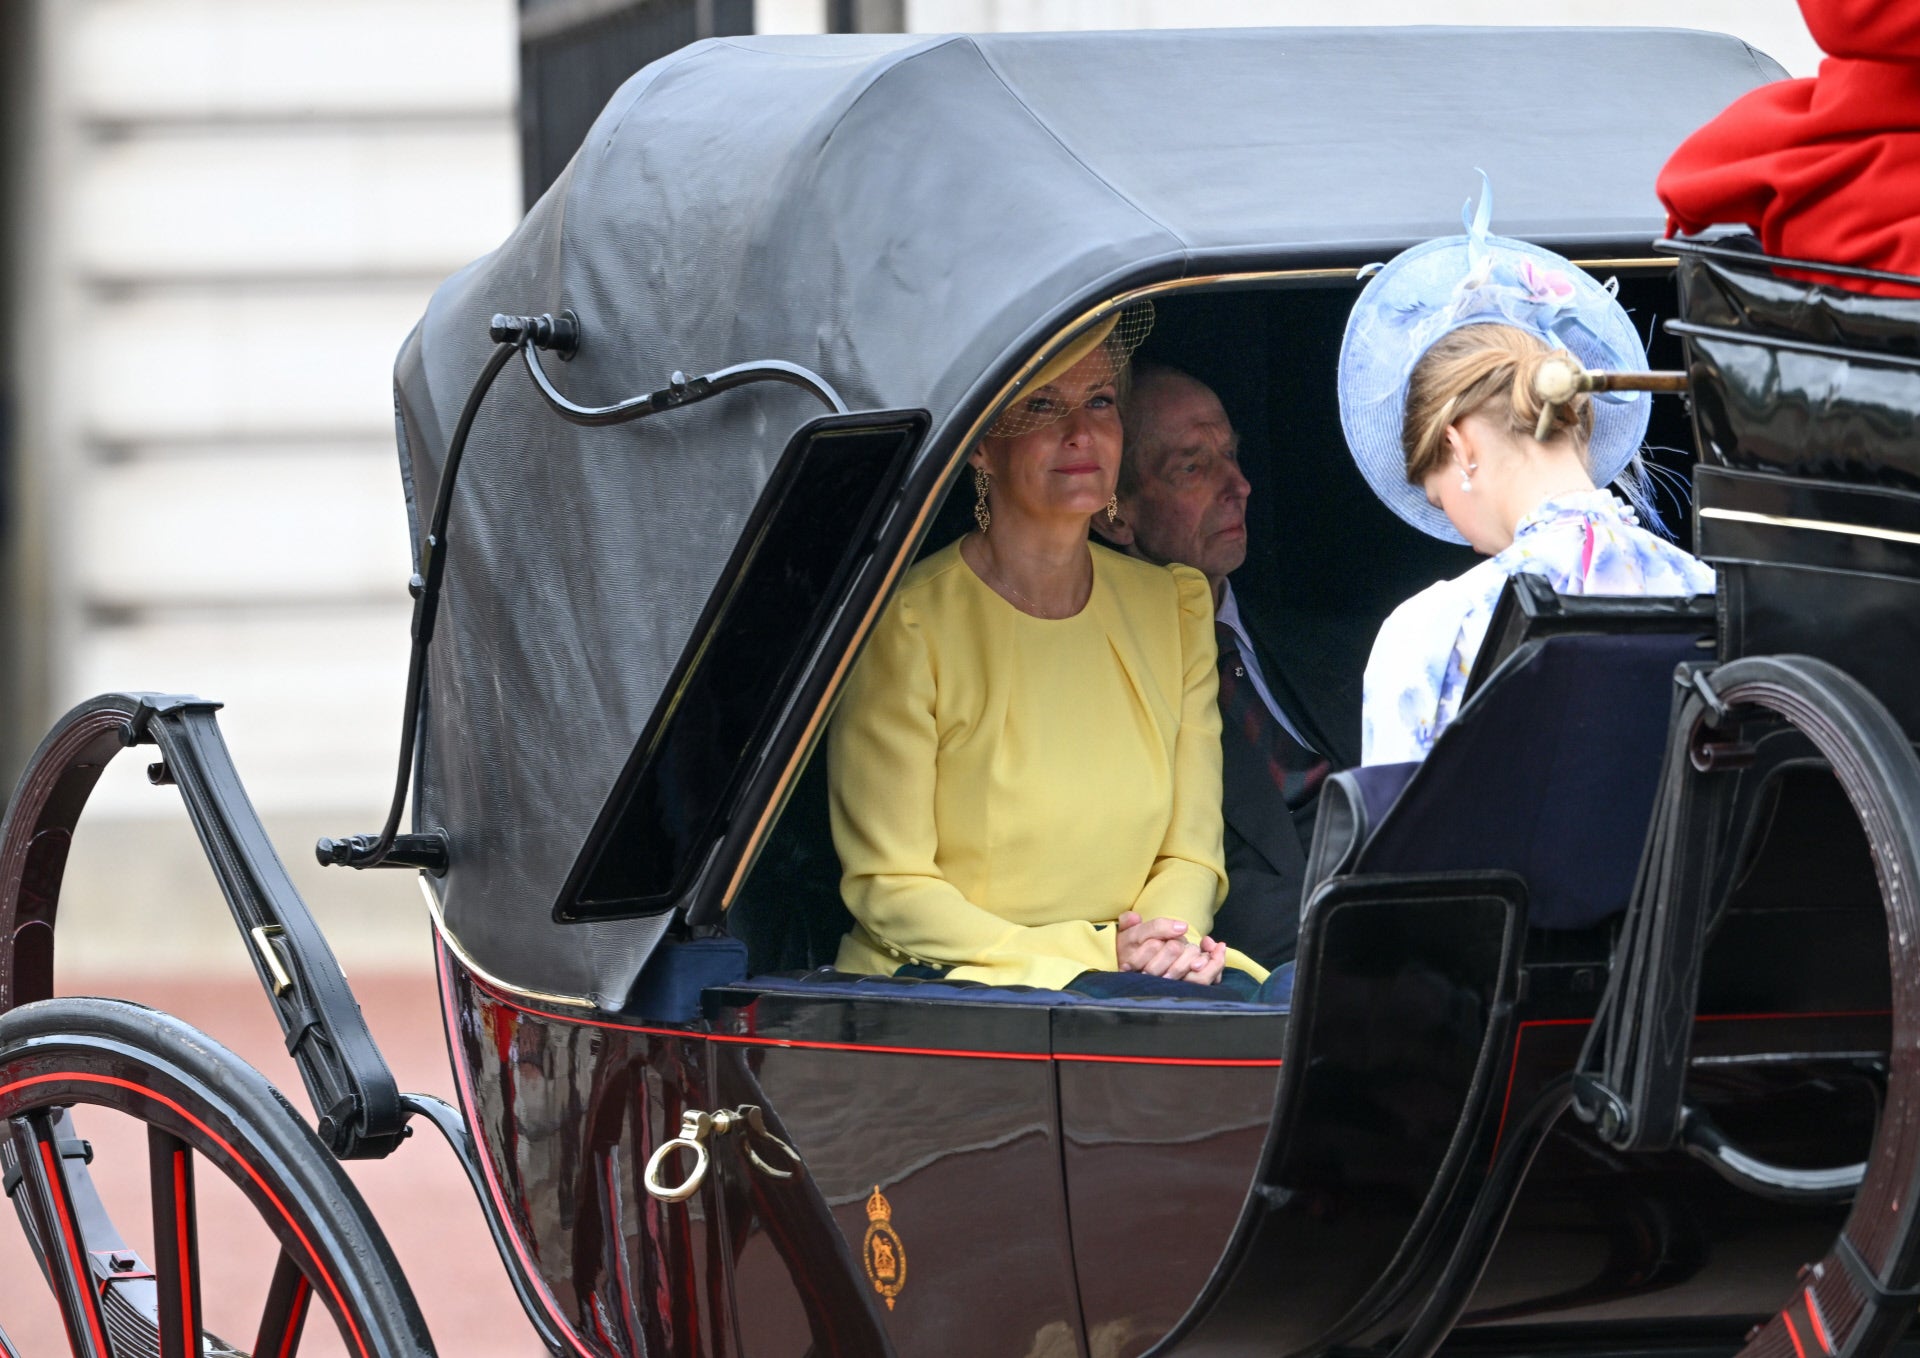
[1488, 370]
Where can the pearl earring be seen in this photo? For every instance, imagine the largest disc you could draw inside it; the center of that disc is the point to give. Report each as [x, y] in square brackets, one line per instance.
[1466, 475]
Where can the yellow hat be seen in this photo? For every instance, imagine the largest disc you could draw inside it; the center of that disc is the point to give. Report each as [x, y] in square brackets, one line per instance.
[1077, 348]
[1122, 330]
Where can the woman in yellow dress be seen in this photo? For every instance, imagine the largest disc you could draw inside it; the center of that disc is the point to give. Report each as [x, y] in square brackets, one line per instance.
[1025, 768]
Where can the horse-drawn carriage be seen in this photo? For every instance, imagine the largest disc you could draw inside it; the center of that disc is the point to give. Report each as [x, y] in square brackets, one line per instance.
[1602, 1035]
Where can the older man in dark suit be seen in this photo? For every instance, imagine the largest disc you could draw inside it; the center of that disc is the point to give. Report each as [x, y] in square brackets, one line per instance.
[1182, 499]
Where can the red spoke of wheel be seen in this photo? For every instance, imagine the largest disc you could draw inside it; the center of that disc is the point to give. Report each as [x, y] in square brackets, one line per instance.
[285, 1313]
[45, 1182]
[352, 1327]
[176, 1243]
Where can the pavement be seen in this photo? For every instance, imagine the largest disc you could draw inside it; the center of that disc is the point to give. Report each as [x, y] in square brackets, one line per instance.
[418, 1195]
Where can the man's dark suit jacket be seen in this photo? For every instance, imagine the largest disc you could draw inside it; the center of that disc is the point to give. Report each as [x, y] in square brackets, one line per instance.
[1266, 844]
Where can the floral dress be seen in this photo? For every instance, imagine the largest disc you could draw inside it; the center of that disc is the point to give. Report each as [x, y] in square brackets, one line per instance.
[1587, 542]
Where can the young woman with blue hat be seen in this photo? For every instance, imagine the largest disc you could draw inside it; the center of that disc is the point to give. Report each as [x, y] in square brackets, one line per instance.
[1458, 393]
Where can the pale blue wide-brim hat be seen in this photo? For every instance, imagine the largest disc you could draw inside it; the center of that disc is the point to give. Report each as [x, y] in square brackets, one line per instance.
[1442, 285]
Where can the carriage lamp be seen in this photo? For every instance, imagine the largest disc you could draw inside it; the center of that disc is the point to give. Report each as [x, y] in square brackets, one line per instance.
[560, 334]
[1556, 383]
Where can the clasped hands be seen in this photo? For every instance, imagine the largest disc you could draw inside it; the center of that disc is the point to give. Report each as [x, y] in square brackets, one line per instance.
[1159, 947]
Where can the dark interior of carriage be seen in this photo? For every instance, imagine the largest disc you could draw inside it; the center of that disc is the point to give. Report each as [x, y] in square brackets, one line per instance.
[1326, 561]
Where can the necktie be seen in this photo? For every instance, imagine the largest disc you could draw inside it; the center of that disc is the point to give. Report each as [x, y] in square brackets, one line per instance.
[1296, 770]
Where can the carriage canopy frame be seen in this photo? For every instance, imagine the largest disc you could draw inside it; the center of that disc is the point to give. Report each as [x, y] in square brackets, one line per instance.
[764, 198]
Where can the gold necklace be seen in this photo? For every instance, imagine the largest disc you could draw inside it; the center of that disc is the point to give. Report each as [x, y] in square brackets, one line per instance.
[1001, 584]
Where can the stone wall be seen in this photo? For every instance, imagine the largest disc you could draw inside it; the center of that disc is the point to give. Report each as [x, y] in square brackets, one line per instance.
[240, 210]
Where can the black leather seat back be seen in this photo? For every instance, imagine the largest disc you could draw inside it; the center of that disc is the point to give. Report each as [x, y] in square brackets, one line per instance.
[1806, 408]
[1549, 772]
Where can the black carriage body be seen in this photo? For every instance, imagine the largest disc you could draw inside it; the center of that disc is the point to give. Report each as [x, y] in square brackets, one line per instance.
[914, 219]
[1009, 1142]
[643, 628]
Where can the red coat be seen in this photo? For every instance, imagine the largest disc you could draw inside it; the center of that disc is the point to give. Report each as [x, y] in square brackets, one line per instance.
[1822, 169]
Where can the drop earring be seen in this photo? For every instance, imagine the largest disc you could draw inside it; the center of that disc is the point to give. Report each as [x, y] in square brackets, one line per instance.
[981, 514]
[1466, 475]
[1113, 509]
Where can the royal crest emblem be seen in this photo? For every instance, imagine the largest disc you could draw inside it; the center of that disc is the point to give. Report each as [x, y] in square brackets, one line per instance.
[882, 1252]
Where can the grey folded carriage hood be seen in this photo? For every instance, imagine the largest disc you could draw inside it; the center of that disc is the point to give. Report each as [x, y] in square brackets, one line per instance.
[906, 216]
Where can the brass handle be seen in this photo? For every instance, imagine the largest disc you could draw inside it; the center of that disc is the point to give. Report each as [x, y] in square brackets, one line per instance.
[695, 1128]
[693, 1136]
[757, 1127]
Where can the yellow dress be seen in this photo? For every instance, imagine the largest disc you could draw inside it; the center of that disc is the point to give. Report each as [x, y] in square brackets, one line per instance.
[1004, 787]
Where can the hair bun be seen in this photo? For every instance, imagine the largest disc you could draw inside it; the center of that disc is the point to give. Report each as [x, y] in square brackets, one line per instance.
[1492, 370]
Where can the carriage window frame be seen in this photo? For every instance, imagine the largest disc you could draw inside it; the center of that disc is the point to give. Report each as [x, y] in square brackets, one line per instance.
[736, 857]
[812, 525]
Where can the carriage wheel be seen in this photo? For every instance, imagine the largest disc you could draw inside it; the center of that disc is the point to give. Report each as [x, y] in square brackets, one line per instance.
[205, 1112]
[1859, 1300]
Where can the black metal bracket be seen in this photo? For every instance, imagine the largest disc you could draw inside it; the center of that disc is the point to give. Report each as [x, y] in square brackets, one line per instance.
[68, 1148]
[347, 1080]
[1704, 1140]
[1631, 1075]
[448, 1121]
[1863, 1276]
[559, 333]
[426, 853]
[680, 390]
[1697, 680]
[1630, 1081]
[352, 1091]
[527, 335]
